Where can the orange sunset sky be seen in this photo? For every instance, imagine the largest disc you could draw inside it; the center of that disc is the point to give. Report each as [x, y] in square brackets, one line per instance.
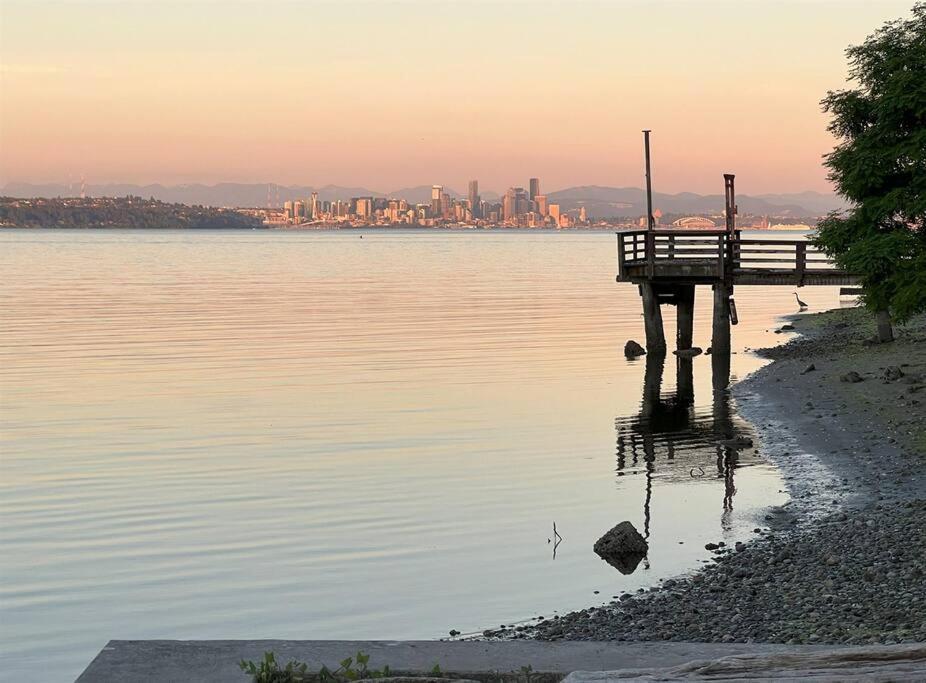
[392, 94]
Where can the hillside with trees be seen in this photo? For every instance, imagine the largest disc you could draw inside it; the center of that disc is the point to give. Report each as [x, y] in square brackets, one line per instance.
[116, 212]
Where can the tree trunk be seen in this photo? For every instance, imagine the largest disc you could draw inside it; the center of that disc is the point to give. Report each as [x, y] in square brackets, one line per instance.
[885, 331]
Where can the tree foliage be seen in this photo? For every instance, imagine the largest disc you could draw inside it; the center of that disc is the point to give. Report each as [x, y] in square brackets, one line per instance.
[115, 212]
[879, 165]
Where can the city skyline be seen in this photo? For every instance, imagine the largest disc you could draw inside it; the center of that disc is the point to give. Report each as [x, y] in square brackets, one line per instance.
[399, 97]
[516, 208]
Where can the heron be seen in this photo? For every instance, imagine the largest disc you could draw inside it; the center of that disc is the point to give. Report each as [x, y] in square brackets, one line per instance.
[799, 302]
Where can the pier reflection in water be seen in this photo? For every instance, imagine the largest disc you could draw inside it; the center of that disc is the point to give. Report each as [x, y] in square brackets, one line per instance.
[671, 436]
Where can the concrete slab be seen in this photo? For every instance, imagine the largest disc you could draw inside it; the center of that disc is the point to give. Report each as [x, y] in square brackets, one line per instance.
[216, 661]
[870, 663]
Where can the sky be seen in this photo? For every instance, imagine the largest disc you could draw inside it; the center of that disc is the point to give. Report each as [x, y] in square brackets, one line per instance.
[388, 95]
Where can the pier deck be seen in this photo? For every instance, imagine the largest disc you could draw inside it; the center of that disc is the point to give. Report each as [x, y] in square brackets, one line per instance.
[711, 256]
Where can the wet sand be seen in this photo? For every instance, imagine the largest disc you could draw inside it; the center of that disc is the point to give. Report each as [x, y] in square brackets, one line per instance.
[845, 560]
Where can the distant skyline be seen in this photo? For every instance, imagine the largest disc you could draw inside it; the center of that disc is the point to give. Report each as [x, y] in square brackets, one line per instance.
[400, 94]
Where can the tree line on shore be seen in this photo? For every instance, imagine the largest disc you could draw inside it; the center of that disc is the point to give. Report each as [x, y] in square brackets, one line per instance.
[116, 212]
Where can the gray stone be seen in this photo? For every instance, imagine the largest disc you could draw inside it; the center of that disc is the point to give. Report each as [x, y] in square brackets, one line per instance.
[632, 349]
[688, 353]
[852, 377]
[892, 373]
[622, 547]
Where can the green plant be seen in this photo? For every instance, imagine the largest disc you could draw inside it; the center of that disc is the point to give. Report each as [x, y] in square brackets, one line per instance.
[347, 672]
[355, 668]
[268, 670]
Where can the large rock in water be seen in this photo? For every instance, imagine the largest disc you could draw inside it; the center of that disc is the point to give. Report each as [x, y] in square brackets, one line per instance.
[622, 547]
[632, 349]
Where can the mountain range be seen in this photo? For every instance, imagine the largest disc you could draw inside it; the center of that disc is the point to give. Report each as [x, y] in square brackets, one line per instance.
[631, 201]
[599, 201]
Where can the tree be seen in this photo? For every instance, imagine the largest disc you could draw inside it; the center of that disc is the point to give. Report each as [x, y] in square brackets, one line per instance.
[879, 165]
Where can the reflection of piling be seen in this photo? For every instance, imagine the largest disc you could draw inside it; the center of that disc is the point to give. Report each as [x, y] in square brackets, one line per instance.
[684, 303]
[664, 419]
[652, 383]
[684, 368]
[724, 431]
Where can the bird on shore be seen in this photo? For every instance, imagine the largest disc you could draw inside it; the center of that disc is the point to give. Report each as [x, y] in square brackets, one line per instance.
[799, 302]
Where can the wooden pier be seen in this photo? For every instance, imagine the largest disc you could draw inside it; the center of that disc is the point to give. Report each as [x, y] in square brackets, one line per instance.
[667, 265]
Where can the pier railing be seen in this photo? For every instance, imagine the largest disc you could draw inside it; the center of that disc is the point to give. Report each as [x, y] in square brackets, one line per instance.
[711, 255]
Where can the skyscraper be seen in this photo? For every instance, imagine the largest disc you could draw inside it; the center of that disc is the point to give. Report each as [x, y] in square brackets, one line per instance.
[474, 197]
[509, 204]
[515, 203]
[541, 200]
[436, 192]
[363, 206]
[534, 188]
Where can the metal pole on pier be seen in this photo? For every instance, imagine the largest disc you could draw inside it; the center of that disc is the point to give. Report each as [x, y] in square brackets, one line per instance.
[729, 203]
[652, 316]
[650, 221]
[723, 289]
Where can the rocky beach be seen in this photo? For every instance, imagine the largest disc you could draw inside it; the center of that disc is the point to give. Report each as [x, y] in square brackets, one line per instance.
[844, 561]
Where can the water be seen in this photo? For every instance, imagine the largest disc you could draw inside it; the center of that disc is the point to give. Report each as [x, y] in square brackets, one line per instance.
[310, 435]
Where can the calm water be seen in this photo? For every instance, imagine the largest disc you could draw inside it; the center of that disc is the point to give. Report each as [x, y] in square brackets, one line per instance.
[310, 435]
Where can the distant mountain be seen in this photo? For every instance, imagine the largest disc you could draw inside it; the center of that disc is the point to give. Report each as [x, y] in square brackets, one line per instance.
[599, 201]
[817, 202]
[223, 194]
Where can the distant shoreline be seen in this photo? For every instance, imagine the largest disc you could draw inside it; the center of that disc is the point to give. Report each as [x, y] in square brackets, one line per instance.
[366, 228]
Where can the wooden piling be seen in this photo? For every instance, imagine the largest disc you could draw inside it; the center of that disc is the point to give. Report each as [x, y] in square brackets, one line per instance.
[885, 329]
[720, 371]
[720, 342]
[684, 297]
[652, 319]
